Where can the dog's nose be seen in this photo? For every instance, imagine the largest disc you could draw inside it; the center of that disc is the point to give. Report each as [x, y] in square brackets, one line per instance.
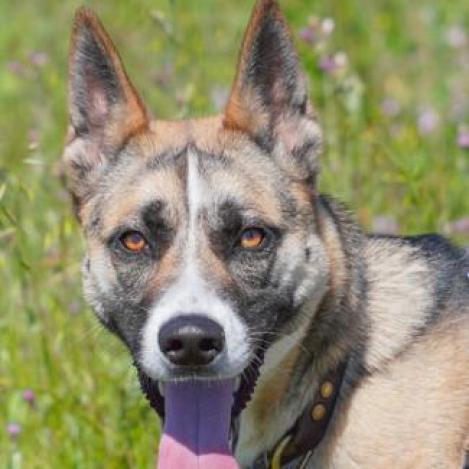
[191, 340]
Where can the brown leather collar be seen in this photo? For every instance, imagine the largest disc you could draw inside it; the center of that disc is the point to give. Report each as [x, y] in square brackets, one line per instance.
[310, 428]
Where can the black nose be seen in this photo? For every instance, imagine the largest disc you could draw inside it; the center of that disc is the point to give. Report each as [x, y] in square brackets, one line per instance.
[191, 340]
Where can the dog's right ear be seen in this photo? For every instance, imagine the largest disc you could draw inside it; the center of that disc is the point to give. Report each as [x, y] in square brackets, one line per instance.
[104, 108]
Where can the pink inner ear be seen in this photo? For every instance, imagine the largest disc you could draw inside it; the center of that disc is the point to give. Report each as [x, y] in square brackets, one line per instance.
[293, 131]
[98, 110]
[97, 100]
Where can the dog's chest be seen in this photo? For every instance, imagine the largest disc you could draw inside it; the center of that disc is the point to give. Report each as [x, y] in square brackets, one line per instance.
[270, 413]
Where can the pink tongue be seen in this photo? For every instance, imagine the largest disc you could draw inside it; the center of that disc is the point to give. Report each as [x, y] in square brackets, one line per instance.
[197, 426]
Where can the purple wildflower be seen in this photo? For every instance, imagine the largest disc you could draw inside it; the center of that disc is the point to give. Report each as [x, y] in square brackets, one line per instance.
[328, 64]
[333, 63]
[317, 30]
[13, 429]
[308, 35]
[460, 226]
[463, 138]
[428, 120]
[29, 396]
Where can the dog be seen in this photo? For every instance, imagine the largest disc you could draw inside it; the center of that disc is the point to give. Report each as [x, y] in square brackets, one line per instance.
[212, 256]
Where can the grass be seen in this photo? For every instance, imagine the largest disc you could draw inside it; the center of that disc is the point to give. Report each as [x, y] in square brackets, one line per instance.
[392, 115]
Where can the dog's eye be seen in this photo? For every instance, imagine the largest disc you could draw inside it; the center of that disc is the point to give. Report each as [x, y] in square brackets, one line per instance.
[133, 241]
[252, 238]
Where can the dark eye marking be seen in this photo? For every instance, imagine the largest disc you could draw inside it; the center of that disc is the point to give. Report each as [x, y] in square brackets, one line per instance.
[158, 224]
[148, 233]
[152, 216]
[237, 232]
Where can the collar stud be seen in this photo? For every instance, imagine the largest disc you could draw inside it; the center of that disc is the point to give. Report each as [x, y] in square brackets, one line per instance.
[318, 412]
[327, 389]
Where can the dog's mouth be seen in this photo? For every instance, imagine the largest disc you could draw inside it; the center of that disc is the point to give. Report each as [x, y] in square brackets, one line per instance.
[244, 386]
[200, 417]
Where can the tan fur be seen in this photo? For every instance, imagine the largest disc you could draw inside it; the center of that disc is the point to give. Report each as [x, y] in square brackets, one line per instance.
[272, 390]
[414, 411]
[166, 271]
[214, 269]
[336, 256]
[390, 271]
[122, 204]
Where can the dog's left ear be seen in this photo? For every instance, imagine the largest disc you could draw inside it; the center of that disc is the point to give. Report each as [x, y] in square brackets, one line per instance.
[269, 100]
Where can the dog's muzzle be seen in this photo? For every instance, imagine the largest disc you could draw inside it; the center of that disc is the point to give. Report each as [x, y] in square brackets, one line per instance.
[205, 408]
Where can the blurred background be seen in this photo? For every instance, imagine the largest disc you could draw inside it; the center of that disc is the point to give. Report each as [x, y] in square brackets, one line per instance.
[390, 80]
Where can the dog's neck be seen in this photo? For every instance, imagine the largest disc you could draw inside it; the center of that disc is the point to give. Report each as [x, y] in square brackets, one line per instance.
[295, 364]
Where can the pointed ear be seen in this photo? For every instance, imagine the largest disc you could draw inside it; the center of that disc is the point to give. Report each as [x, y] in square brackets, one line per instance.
[269, 100]
[103, 102]
[104, 108]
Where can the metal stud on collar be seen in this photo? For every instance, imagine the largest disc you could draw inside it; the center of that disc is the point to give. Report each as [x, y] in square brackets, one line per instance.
[296, 448]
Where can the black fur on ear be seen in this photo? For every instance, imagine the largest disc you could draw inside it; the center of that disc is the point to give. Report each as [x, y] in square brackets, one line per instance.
[105, 110]
[269, 99]
[94, 86]
[100, 93]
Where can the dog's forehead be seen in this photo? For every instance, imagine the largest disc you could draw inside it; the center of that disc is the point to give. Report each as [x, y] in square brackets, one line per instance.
[223, 165]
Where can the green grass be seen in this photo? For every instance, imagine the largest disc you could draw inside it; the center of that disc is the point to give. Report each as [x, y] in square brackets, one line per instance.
[88, 411]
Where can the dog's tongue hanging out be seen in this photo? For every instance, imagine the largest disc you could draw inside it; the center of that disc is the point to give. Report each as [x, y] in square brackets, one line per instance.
[197, 426]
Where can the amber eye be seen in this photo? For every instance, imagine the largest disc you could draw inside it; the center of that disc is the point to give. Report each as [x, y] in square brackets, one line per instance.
[133, 241]
[252, 238]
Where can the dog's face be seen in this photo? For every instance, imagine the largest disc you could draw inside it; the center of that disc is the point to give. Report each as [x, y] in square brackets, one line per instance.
[201, 235]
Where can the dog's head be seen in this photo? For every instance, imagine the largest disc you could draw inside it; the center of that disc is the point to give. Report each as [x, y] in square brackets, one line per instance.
[201, 235]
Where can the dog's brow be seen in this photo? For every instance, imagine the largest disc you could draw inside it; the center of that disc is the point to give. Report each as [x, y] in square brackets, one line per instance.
[165, 159]
[152, 214]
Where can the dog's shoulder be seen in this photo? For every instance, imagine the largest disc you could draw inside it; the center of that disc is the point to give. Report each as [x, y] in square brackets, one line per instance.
[413, 411]
[427, 261]
[416, 354]
[413, 284]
